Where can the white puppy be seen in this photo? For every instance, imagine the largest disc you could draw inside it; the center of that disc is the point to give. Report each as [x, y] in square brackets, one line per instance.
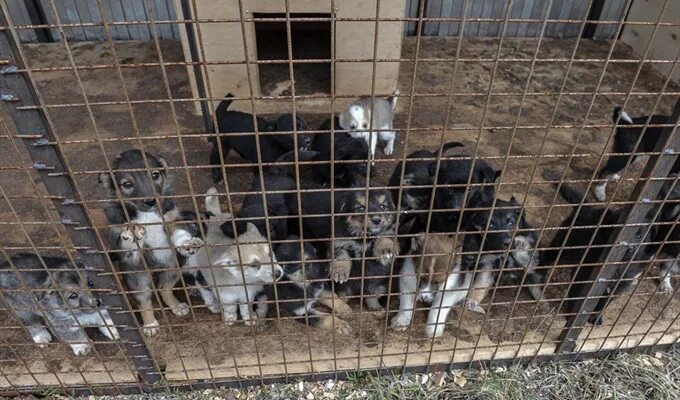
[238, 272]
[363, 116]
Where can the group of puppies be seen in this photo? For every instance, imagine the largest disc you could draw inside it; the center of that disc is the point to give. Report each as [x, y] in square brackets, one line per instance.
[449, 244]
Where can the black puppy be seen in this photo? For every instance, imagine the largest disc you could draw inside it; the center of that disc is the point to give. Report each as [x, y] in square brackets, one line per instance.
[302, 287]
[272, 146]
[417, 173]
[351, 226]
[452, 198]
[351, 152]
[625, 139]
[576, 241]
[275, 180]
[507, 217]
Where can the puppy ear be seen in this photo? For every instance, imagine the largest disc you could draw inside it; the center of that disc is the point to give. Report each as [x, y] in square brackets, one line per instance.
[250, 227]
[496, 175]
[162, 160]
[106, 180]
[513, 199]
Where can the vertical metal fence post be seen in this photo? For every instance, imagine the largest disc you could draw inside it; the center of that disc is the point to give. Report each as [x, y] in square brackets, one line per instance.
[17, 90]
[641, 203]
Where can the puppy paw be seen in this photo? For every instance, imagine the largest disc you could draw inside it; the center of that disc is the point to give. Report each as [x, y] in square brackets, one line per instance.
[42, 338]
[389, 149]
[230, 319]
[373, 304]
[400, 321]
[81, 349]
[340, 270]
[426, 297]
[132, 233]
[190, 247]
[110, 332]
[181, 309]
[341, 327]
[382, 249]
[666, 287]
[434, 330]
[474, 306]
[151, 329]
[213, 307]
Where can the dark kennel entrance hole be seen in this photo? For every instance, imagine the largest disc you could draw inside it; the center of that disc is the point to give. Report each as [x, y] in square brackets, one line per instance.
[311, 40]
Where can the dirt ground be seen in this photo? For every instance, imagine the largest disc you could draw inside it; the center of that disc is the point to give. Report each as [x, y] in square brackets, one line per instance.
[200, 346]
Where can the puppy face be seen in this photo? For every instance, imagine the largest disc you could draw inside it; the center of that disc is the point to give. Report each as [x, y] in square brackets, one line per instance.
[137, 187]
[355, 118]
[290, 255]
[504, 221]
[284, 123]
[381, 211]
[70, 291]
[258, 264]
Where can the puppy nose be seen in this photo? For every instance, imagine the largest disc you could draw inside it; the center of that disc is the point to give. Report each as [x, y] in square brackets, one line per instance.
[150, 202]
[376, 219]
[506, 242]
[98, 302]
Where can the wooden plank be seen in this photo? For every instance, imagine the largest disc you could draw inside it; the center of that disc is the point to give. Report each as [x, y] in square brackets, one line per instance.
[498, 12]
[613, 11]
[538, 12]
[579, 10]
[68, 14]
[527, 8]
[49, 16]
[95, 16]
[474, 10]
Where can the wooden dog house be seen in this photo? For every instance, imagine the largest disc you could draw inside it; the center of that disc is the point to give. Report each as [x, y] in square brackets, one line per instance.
[221, 37]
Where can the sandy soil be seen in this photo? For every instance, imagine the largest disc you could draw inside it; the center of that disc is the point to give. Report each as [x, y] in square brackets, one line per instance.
[201, 344]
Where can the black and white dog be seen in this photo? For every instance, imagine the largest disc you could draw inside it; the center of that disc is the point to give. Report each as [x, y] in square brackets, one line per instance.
[302, 287]
[272, 145]
[60, 294]
[625, 139]
[569, 248]
[143, 241]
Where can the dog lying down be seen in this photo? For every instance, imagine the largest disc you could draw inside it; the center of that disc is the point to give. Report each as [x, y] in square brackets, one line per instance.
[239, 271]
[54, 301]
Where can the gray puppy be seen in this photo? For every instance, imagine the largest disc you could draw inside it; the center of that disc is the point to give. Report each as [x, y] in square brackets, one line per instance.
[59, 295]
[364, 115]
[143, 243]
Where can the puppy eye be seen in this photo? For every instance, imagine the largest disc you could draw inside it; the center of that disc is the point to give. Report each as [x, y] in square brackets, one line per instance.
[364, 125]
[383, 206]
[73, 296]
[353, 126]
[90, 283]
[491, 226]
[155, 175]
[254, 264]
[126, 185]
[359, 209]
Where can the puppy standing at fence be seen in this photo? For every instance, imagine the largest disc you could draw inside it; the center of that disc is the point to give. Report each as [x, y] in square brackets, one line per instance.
[367, 114]
[230, 272]
[143, 242]
[59, 295]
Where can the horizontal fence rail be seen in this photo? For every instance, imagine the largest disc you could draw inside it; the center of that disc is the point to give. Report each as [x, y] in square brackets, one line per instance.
[289, 191]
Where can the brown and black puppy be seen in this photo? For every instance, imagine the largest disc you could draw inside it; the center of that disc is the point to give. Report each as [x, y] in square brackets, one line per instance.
[359, 213]
[139, 237]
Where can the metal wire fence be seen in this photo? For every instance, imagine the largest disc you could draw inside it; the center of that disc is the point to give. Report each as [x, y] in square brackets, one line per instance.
[485, 235]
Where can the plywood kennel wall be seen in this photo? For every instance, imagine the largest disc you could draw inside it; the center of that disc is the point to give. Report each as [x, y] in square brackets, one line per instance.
[222, 43]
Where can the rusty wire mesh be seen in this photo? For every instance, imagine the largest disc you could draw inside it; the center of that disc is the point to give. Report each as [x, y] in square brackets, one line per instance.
[538, 111]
